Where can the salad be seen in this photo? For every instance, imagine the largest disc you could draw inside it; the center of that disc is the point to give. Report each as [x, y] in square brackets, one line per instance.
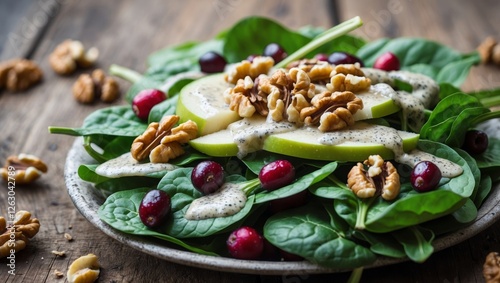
[237, 181]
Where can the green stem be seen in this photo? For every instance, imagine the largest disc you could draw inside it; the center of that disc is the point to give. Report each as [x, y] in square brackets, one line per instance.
[486, 116]
[250, 186]
[91, 151]
[355, 275]
[337, 182]
[63, 131]
[490, 101]
[125, 73]
[363, 205]
[323, 38]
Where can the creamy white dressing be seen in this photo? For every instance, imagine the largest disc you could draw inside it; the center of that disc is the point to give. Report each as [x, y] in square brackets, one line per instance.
[211, 104]
[226, 201]
[249, 134]
[126, 165]
[448, 169]
[425, 93]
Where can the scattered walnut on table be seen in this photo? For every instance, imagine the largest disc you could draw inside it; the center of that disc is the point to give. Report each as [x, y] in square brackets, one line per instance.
[332, 111]
[485, 49]
[71, 54]
[260, 65]
[19, 74]
[96, 85]
[491, 268]
[84, 269]
[24, 228]
[23, 168]
[162, 141]
[381, 178]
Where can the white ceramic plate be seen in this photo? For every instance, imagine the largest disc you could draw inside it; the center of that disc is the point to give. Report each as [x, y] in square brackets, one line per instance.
[87, 201]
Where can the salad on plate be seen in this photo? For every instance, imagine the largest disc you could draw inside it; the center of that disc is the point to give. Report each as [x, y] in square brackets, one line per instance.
[295, 145]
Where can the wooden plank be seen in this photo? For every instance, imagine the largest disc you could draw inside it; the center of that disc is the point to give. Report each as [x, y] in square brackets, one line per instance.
[23, 23]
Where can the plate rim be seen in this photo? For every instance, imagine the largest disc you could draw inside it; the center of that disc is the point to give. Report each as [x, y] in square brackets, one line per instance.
[85, 199]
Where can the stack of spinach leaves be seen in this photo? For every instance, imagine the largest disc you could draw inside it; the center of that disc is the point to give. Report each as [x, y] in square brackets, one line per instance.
[323, 231]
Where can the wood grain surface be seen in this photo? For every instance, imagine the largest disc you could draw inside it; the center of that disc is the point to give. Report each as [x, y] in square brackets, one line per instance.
[125, 32]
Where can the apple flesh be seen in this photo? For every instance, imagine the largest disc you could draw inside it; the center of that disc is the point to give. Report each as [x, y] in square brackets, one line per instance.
[202, 101]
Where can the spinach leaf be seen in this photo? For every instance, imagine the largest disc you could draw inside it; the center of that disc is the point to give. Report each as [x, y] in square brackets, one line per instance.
[120, 211]
[382, 244]
[164, 108]
[412, 208]
[489, 158]
[251, 35]
[442, 125]
[107, 186]
[485, 187]
[111, 121]
[416, 241]
[177, 184]
[430, 58]
[307, 232]
[298, 186]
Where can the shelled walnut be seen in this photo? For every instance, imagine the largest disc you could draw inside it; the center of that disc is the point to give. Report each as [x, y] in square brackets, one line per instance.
[247, 97]
[348, 77]
[16, 237]
[491, 268]
[162, 141]
[85, 269]
[23, 169]
[260, 65]
[71, 54]
[318, 71]
[288, 93]
[380, 178]
[332, 111]
[96, 85]
[19, 74]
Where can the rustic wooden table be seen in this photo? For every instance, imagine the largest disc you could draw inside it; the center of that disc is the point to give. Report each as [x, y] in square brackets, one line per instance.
[126, 32]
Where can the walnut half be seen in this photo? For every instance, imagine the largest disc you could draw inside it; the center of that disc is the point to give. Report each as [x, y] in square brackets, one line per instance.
[19, 74]
[88, 87]
[23, 168]
[84, 269]
[16, 237]
[380, 178]
[491, 268]
[162, 141]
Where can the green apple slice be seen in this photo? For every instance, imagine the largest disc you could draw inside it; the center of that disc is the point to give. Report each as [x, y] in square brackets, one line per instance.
[305, 143]
[202, 101]
[218, 144]
[376, 104]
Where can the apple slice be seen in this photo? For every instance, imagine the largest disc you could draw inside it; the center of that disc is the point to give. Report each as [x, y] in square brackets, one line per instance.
[376, 102]
[202, 101]
[305, 143]
[217, 144]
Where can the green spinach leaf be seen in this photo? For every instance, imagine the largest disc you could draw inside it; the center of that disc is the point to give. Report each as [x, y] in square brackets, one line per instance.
[307, 232]
[120, 211]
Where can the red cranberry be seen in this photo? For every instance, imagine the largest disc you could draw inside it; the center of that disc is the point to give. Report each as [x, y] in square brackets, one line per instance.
[154, 208]
[338, 58]
[425, 176]
[321, 57]
[207, 176]
[387, 62]
[475, 142]
[145, 100]
[275, 51]
[276, 174]
[212, 62]
[245, 243]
